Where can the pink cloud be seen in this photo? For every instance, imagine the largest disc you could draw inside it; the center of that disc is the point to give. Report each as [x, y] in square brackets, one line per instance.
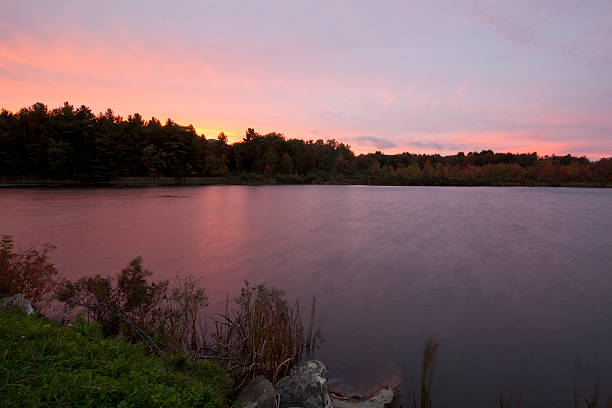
[216, 86]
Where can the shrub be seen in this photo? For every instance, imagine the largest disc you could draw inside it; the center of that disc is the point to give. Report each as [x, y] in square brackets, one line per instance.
[138, 309]
[260, 334]
[28, 272]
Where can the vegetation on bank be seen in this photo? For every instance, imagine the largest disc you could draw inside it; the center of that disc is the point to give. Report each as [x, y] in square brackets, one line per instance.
[259, 333]
[71, 143]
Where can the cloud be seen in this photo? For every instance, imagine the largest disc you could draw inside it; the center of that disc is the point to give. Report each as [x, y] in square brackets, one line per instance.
[515, 30]
[436, 146]
[378, 142]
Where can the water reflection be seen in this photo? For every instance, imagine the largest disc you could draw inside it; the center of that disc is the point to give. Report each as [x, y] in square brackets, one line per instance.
[513, 283]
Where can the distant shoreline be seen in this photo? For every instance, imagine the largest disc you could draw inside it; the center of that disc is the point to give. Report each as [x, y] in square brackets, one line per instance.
[256, 180]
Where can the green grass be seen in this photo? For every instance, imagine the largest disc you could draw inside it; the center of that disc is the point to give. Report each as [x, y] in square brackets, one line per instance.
[45, 364]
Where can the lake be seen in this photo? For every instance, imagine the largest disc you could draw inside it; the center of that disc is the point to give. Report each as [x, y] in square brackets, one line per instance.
[515, 284]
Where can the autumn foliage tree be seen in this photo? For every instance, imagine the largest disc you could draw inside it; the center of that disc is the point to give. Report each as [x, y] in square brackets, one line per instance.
[74, 143]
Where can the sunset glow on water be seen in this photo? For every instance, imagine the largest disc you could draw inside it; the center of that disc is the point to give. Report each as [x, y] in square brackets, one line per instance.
[517, 299]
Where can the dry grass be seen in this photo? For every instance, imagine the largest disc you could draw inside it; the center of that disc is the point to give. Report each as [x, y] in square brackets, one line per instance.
[263, 334]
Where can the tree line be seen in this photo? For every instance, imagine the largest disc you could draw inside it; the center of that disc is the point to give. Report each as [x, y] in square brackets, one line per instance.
[76, 144]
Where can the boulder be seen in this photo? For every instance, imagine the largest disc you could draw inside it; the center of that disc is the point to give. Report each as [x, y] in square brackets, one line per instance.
[384, 398]
[18, 301]
[259, 393]
[306, 387]
[389, 377]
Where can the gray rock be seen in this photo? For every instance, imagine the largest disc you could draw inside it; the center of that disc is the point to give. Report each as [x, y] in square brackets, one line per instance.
[18, 301]
[259, 393]
[384, 398]
[306, 387]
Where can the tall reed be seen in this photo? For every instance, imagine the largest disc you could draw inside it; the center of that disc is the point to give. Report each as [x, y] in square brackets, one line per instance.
[593, 402]
[430, 355]
[262, 334]
[509, 404]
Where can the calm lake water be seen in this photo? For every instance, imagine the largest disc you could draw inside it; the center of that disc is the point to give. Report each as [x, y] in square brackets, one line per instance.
[514, 283]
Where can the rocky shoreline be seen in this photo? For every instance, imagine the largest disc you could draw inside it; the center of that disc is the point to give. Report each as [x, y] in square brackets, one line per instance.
[307, 387]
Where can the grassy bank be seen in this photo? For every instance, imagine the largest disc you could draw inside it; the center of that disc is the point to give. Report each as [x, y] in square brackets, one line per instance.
[45, 364]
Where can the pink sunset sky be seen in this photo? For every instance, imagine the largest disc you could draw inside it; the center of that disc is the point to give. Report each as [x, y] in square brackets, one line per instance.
[425, 77]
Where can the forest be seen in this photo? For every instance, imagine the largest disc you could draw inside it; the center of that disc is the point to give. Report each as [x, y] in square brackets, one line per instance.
[69, 143]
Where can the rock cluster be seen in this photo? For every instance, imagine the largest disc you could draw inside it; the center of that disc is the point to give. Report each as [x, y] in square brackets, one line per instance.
[306, 387]
[18, 301]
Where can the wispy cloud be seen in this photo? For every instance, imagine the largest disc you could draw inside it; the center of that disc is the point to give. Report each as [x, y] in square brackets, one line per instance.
[377, 142]
[515, 30]
[437, 147]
